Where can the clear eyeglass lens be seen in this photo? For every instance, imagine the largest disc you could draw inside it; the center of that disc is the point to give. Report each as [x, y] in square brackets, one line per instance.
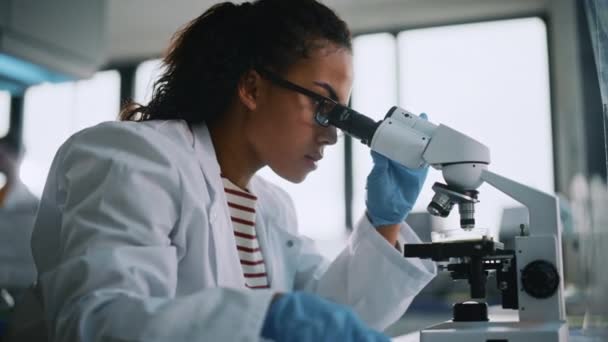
[323, 109]
[321, 120]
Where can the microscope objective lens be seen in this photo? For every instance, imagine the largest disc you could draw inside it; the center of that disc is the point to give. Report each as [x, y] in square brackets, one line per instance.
[467, 215]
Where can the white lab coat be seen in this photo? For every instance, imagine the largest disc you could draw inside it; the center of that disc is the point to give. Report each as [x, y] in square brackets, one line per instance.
[133, 242]
[17, 213]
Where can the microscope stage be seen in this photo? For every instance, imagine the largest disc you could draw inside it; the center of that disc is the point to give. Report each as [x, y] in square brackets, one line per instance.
[442, 251]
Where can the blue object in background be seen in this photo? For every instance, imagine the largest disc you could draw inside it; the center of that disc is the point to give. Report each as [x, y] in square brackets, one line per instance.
[16, 74]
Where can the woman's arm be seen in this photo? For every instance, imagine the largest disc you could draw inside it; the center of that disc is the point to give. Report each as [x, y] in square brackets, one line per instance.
[390, 233]
[369, 274]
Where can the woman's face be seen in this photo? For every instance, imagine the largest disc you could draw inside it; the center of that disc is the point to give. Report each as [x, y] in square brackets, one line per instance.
[283, 131]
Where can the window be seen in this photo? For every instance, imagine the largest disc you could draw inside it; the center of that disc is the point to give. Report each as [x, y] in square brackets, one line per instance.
[489, 80]
[145, 76]
[374, 93]
[5, 113]
[53, 112]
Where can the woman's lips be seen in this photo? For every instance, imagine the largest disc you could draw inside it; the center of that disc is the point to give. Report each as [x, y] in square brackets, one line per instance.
[315, 157]
[312, 160]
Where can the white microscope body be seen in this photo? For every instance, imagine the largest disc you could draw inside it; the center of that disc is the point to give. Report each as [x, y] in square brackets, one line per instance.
[535, 287]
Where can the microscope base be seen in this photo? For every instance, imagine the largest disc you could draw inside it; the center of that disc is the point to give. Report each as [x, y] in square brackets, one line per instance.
[496, 332]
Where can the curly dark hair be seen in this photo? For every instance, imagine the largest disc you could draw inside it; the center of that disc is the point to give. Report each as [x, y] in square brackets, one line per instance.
[210, 54]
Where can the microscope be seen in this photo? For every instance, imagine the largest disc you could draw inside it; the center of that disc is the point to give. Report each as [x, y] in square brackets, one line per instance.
[529, 277]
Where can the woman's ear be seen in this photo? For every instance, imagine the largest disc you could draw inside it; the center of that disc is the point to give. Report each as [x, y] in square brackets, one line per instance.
[248, 89]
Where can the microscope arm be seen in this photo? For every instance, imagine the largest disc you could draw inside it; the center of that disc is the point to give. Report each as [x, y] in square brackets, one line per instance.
[542, 244]
[543, 207]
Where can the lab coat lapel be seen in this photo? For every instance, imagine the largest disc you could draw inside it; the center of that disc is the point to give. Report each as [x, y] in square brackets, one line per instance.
[227, 270]
[280, 248]
[261, 229]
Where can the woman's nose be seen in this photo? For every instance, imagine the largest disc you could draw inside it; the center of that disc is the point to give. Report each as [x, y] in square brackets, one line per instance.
[328, 136]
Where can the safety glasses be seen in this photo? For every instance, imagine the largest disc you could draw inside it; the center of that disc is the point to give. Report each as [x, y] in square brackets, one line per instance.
[323, 105]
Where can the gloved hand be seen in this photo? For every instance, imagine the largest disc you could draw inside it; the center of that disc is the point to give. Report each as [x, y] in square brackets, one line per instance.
[299, 317]
[392, 189]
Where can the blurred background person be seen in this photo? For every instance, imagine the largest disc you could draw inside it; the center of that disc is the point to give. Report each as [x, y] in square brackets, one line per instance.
[17, 212]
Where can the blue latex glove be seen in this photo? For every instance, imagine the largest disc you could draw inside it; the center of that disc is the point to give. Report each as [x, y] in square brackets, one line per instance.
[392, 189]
[299, 317]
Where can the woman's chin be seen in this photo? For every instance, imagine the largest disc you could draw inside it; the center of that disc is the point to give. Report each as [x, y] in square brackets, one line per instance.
[296, 176]
[296, 179]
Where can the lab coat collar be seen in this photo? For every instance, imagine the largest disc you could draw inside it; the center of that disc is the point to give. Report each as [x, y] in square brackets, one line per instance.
[205, 152]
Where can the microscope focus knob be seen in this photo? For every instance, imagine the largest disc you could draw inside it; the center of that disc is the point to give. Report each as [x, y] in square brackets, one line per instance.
[540, 279]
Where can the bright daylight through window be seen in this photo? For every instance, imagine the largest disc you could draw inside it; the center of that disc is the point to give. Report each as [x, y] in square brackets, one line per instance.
[53, 112]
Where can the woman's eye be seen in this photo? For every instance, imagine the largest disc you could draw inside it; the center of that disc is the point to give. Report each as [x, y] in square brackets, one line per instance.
[325, 107]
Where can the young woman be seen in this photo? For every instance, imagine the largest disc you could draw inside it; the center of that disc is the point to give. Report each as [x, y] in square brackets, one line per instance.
[156, 227]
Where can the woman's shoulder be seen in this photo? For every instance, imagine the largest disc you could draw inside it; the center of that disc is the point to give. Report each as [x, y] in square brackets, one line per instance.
[156, 141]
[114, 131]
[124, 134]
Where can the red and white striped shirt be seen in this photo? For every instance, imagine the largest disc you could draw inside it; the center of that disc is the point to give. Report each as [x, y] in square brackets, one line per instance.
[242, 213]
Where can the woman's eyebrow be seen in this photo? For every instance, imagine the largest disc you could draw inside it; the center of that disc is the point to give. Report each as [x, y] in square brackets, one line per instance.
[332, 93]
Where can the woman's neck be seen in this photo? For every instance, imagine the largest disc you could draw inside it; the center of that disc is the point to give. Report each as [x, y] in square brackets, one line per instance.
[238, 161]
